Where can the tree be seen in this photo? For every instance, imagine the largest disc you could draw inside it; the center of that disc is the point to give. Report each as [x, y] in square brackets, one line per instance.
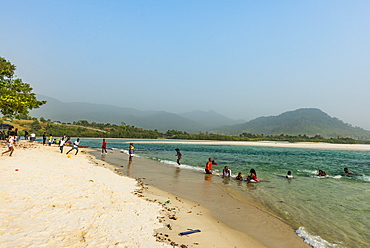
[16, 97]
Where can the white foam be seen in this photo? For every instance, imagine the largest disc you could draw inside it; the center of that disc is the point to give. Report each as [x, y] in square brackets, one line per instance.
[314, 241]
[309, 171]
[366, 178]
[182, 166]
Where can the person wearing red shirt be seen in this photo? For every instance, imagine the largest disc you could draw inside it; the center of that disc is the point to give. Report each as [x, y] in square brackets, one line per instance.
[104, 147]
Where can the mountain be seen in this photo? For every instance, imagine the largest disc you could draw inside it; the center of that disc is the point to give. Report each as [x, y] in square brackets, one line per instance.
[309, 121]
[161, 120]
[210, 119]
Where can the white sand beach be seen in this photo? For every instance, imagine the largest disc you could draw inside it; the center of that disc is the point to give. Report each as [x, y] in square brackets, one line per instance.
[51, 200]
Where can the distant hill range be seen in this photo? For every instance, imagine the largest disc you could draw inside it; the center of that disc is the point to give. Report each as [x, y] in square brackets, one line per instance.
[305, 121]
[195, 121]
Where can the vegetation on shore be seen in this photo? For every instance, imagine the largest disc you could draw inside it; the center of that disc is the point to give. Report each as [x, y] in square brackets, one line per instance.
[16, 97]
[84, 128]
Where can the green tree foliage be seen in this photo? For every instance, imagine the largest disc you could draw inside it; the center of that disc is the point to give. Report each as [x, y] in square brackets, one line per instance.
[16, 97]
[35, 125]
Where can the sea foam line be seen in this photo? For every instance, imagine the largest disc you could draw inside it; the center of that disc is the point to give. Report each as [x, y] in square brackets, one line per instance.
[314, 241]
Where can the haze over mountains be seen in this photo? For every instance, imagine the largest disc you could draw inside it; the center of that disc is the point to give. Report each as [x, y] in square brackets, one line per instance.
[194, 121]
[308, 121]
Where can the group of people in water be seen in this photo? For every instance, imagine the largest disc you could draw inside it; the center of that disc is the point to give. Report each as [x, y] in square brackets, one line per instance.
[226, 172]
[252, 177]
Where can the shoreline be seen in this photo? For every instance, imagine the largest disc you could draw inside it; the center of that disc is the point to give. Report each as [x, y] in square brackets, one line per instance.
[52, 200]
[237, 215]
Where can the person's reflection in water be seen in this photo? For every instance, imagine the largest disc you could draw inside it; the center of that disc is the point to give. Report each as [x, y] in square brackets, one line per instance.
[103, 155]
[226, 180]
[177, 172]
[208, 177]
[129, 166]
[239, 182]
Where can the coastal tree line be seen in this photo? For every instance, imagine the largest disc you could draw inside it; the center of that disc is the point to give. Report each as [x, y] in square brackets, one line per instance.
[83, 128]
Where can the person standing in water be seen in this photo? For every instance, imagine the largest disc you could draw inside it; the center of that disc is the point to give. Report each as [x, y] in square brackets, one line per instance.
[131, 149]
[209, 164]
[179, 155]
[104, 147]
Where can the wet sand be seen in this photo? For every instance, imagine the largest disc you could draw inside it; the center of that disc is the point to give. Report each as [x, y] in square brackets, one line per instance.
[235, 211]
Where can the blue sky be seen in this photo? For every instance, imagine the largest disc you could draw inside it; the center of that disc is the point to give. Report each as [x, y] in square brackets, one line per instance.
[242, 59]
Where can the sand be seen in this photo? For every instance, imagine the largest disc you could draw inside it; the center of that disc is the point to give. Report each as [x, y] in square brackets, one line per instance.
[52, 200]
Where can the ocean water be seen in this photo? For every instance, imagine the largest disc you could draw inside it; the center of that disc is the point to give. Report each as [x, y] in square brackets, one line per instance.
[327, 212]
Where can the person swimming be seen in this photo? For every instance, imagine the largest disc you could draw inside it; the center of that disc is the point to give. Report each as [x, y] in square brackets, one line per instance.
[289, 175]
[322, 174]
[348, 172]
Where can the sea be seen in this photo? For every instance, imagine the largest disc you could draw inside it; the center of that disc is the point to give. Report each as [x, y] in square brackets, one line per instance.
[330, 211]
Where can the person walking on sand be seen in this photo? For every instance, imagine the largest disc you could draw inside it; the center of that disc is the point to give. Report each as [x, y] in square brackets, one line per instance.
[50, 139]
[44, 139]
[104, 147]
[10, 143]
[61, 145]
[179, 155]
[131, 149]
[75, 146]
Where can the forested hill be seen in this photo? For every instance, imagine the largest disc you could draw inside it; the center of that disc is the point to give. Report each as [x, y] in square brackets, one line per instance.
[306, 121]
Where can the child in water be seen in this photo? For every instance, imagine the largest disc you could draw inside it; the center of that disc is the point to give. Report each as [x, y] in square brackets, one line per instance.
[289, 175]
[179, 155]
[131, 149]
[239, 177]
[253, 176]
[322, 174]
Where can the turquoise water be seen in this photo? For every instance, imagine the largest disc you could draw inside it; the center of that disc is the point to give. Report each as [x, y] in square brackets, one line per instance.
[326, 212]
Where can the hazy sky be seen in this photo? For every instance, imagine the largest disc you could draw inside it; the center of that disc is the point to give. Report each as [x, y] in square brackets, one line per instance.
[242, 59]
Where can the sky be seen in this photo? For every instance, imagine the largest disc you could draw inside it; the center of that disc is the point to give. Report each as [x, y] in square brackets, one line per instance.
[243, 59]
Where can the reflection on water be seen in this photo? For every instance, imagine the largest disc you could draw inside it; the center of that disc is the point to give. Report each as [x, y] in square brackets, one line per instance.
[225, 180]
[129, 167]
[103, 156]
[208, 177]
[177, 172]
